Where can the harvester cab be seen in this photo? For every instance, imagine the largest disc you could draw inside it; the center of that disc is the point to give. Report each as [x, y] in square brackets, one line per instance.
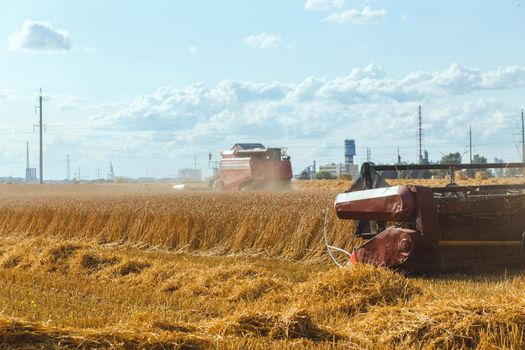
[419, 229]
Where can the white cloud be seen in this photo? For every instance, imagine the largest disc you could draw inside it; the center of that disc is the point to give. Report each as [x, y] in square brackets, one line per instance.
[354, 16]
[369, 85]
[35, 36]
[196, 116]
[264, 41]
[323, 5]
[488, 117]
[193, 50]
[504, 77]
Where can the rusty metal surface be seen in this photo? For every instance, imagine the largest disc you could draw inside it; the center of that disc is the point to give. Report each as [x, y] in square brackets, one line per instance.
[391, 248]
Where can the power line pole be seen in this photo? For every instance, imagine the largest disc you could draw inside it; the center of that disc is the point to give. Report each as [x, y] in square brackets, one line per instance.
[470, 142]
[398, 157]
[420, 135]
[40, 125]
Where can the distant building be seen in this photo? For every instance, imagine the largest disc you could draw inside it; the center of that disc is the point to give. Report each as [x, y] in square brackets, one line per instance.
[348, 167]
[190, 174]
[349, 151]
[337, 170]
[30, 175]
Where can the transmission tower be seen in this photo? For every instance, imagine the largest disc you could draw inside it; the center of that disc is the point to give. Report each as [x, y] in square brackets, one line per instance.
[40, 126]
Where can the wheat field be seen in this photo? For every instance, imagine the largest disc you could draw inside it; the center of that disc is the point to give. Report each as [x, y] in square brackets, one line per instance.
[144, 267]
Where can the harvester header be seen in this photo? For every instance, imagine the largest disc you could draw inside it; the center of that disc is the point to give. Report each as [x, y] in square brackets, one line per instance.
[420, 228]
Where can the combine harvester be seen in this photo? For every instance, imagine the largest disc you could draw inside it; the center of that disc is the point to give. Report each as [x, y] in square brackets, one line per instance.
[417, 229]
[251, 166]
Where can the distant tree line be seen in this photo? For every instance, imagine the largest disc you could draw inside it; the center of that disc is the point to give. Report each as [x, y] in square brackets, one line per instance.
[451, 158]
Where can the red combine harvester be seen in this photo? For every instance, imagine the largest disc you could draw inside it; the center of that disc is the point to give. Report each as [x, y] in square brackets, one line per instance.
[249, 166]
[418, 229]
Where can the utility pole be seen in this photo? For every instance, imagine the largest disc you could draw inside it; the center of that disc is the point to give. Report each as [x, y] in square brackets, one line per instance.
[368, 154]
[195, 161]
[470, 141]
[420, 135]
[398, 157]
[98, 174]
[40, 125]
[68, 165]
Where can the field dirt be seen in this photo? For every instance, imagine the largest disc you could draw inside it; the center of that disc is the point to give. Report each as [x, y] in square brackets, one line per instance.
[142, 266]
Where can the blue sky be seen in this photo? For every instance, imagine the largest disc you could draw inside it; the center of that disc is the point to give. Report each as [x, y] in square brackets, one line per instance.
[148, 85]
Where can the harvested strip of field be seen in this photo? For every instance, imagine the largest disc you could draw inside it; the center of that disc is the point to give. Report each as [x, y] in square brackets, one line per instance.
[16, 334]
[73, 293]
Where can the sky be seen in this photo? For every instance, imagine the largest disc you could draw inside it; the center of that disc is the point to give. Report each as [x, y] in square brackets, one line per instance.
[153, 85]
